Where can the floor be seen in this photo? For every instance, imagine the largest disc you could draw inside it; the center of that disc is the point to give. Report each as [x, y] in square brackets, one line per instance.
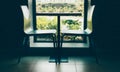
[75, 64]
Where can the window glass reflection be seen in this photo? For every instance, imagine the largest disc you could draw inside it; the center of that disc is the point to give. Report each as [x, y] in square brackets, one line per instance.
[60, 6]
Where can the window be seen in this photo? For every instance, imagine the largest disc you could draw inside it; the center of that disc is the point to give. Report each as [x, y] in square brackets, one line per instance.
[71, 13]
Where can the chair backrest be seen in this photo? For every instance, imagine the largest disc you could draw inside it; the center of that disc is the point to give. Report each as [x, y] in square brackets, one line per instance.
[26, 17]
[89, 28]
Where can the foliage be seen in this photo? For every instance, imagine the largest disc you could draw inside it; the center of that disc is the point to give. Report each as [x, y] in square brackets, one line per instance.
[60, 7]
[45, 23]
[72, 24]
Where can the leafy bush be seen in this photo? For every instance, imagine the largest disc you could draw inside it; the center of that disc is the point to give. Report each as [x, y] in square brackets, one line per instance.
[72, 24]
[44, 23]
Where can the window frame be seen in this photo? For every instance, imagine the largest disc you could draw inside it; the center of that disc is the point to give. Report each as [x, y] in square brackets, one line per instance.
[58, 17]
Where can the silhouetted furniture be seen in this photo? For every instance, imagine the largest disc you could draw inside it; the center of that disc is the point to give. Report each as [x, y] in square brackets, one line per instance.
[85, 33]
[28, 30]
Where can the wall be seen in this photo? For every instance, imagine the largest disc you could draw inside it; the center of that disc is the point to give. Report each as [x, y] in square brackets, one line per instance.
[107, 33]
[10, 28]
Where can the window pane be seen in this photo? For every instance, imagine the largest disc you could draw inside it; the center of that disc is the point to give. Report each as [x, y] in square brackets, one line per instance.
[46, 22]
[71, 23]
[60, 6]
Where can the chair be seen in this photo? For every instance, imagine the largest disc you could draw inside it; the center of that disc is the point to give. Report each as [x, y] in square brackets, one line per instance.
[29, 30]
[84, 33]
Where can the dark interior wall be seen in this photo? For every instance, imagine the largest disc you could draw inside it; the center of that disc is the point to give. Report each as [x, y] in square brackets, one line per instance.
[99, 24]
[11, 27]
[106, 27]
[113, 14]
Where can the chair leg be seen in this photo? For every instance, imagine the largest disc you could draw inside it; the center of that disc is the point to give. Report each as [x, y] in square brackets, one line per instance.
[54, 39]
[61, 40]
[25, 45]
[93, 50]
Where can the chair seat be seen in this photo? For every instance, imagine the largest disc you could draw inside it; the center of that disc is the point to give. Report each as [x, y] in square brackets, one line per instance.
[38, 32]
[74, 32]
